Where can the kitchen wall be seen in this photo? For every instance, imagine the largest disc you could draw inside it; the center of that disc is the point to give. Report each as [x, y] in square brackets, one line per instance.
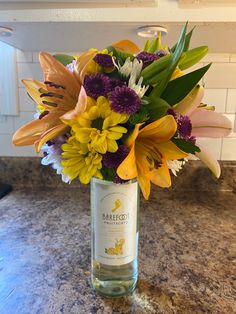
[220, 91]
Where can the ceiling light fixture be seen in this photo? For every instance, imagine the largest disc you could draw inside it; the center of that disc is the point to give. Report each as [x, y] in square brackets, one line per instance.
[5, 31]
[150, 31]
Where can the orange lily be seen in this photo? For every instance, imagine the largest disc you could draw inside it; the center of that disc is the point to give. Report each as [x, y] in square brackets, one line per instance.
[61, 97]
[126, 46]
[150, 148]
[57, 95]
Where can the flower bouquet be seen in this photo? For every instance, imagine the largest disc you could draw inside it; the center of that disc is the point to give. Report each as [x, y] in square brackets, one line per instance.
[117, 116]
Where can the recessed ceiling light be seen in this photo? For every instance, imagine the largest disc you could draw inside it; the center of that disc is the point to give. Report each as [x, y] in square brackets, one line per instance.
[5, 31]
[150, 31]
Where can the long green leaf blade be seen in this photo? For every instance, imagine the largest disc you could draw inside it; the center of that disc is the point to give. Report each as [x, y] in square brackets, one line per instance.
[187, 41]
[158, 90]
[152, 70]
[177, 89]
[157, 108]
[147, 45]
[153, 47]
[186, 146]
[192, 57]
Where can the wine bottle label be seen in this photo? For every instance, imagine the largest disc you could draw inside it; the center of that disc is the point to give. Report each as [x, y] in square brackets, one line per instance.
[115, 222]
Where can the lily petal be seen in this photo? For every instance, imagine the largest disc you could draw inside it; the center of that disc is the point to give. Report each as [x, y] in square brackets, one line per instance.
[143, 175]
[127, 170]
[57, 73]
[82, 63]
[209, 161]
[32, 87]
[50, 134]
[132, 137]
[126, 46]
[190, 102]
[161, 130]
[170, 151]
[161, 176]
[29, 133]
[145, 185]
[79, 108]
[208, 123]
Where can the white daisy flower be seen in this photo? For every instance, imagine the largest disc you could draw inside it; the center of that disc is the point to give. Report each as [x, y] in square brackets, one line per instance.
[176, 165]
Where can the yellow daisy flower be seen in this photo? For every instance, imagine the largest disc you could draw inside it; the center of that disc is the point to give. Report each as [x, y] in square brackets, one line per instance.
[80, 162]
[99, 126]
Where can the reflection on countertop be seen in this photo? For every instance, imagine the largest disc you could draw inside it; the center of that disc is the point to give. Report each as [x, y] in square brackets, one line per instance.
[187, 254]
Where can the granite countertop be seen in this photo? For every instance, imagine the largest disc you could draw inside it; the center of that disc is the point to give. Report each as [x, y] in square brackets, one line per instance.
[187, 253]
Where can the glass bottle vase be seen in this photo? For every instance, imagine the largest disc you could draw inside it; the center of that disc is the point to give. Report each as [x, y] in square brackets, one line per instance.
[114, 226]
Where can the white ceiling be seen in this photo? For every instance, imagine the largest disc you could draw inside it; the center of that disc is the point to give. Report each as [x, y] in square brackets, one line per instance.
[79, 36]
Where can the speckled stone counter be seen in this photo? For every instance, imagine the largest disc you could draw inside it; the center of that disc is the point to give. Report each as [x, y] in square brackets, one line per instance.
[187, 252]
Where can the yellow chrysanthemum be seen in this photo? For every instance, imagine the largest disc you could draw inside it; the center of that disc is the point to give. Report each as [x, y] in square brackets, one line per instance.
[79, 161]
[99, 126]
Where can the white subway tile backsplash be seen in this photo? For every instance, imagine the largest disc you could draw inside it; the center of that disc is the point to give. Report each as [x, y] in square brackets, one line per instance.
[221, 75]
[26, 103]
[231, 117]
[29, 71]
[212, 145]
[24, 56]
[216, 97]
[7, 148]
[36, 57]
[6, 125]
[216, 57]
[228, 149]
[231, 101]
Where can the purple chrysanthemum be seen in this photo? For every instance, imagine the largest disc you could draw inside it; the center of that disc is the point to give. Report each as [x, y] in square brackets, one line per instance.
[191, 139]
[161, 53]
[184, 127]
[147, 57]
[125, 100]
[97, 85]
[115, 83]
[171, 112]
[104, 60]
[113, 160]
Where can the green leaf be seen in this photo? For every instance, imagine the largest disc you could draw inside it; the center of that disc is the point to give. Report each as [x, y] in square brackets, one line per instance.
[192, 57]
[108, 173]
[157, 79]
[120, 55]
[152, 71]
[147, 45]
[187, 41]
[159, 41]
[177, 89]
[64, 59]
[157, 91]
[153, 46]
[186, 146]
[141, 116]
[157, 108]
